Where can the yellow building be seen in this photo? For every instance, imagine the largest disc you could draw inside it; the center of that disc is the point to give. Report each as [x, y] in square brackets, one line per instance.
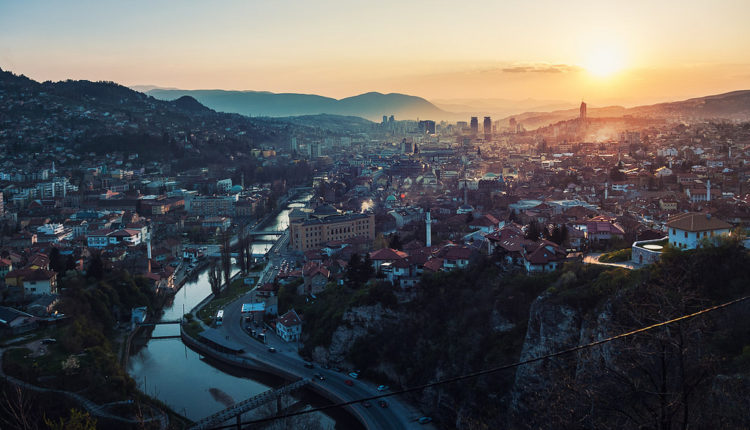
[314, 229]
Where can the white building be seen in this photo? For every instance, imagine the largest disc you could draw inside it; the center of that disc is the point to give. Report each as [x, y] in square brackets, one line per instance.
[687, 230]
[289, 326]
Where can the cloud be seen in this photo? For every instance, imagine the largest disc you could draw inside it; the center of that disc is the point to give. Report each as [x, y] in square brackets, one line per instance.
[541, 68]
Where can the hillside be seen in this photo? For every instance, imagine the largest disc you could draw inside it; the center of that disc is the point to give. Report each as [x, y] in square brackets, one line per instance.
[257, 103]
[106, 116]
[488, 318]
[734, 105]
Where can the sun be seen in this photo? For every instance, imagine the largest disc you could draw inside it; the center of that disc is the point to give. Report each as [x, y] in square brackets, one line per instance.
[604, 62]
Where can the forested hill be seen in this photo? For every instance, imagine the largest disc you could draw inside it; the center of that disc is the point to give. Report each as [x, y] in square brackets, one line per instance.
[695, 374]
[105, 116]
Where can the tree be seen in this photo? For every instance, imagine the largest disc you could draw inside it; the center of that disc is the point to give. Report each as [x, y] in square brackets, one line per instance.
[214, 277]
[57, 261]
[394, 242]
[78, 420]
[95, 268]
[226, 256]
[533, 231]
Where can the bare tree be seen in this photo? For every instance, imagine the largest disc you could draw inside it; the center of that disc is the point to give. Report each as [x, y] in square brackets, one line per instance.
[214, 277]
[226, 256]
[18, 409]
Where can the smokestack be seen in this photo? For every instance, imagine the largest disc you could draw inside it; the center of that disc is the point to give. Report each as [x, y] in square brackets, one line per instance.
[708, 190]
[428, 229]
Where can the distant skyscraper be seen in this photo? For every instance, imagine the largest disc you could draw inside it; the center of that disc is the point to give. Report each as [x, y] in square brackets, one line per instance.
[474, 125]
[293, 144]
[487, 128]
[2, 207]
[390, 119]
[385, 119]
[512, 125]
[314, 149]
[583, 111]
[427, 126]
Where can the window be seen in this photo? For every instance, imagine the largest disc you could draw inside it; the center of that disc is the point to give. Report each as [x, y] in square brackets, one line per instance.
[685, 235]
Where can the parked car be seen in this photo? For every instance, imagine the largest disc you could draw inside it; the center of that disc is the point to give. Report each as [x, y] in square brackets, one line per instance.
[320, 377]
[349, 382]
[383, 404]
[309, 365]
[424, 420]
[367, 404]
[354, 375]
[271, 349]
[382, 387]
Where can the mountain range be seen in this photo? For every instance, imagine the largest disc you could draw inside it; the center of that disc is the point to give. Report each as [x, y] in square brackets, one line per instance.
[371, 105]
[734, 105]
[531, 113]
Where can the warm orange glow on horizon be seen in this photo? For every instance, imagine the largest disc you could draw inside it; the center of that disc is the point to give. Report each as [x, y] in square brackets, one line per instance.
[604, 61]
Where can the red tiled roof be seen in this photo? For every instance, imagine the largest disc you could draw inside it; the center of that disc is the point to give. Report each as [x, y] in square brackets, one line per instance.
[388, 254]
[290, 319]
[434, 265]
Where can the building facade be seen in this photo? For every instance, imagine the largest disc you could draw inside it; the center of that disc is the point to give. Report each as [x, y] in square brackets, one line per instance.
[312, 230]
[687, 230]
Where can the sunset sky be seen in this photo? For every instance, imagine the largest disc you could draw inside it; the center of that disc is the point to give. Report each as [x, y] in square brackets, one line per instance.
[603, 51]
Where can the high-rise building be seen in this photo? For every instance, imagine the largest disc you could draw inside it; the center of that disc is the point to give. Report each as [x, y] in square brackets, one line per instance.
[512, 124]
[314, 149]
[583, 112]
[385, 119]
[2, 205]
[427, 126]
[293, 144]
[474, 124]
[487, 128]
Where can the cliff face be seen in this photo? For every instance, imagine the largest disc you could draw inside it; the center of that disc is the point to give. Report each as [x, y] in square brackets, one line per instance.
[550, 328]
[659, 379]
[356, 323]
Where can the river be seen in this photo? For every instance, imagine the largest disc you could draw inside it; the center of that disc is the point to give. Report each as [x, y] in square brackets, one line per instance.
[191, 385]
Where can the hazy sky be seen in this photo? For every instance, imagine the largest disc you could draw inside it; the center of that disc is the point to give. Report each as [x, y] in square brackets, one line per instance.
[604, 51]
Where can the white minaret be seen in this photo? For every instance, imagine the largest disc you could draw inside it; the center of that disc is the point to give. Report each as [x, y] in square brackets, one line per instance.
[708, 190]
[428, 229]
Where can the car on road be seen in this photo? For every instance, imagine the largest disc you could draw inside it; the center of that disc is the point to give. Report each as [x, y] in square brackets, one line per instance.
[48, 341]
[382, 387]
[271, 349]
[354, 375]
[319, 377]
[309, 365]
[424, 420]
[349, 382]
[367, 404]
[383, 404]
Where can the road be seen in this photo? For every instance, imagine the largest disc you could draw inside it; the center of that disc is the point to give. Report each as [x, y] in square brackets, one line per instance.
[594, 259]
[397, 415]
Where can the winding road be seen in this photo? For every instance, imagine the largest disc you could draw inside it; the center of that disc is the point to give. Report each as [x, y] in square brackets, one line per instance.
[398, 415]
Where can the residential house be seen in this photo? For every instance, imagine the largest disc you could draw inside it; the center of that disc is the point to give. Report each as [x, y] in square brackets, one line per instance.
[687, 230]
[289, 326]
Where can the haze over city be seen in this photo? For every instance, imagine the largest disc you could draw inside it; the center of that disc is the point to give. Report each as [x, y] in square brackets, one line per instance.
[606, 52]
[391, 215]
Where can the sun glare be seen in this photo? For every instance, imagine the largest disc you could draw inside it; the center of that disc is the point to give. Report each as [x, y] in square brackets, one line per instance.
[604, 62]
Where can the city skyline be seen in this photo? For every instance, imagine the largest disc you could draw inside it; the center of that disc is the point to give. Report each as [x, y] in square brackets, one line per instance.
[606, 53]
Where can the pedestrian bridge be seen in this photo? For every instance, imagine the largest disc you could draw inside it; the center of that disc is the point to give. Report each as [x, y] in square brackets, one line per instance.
[266, 232]
[237, 409]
